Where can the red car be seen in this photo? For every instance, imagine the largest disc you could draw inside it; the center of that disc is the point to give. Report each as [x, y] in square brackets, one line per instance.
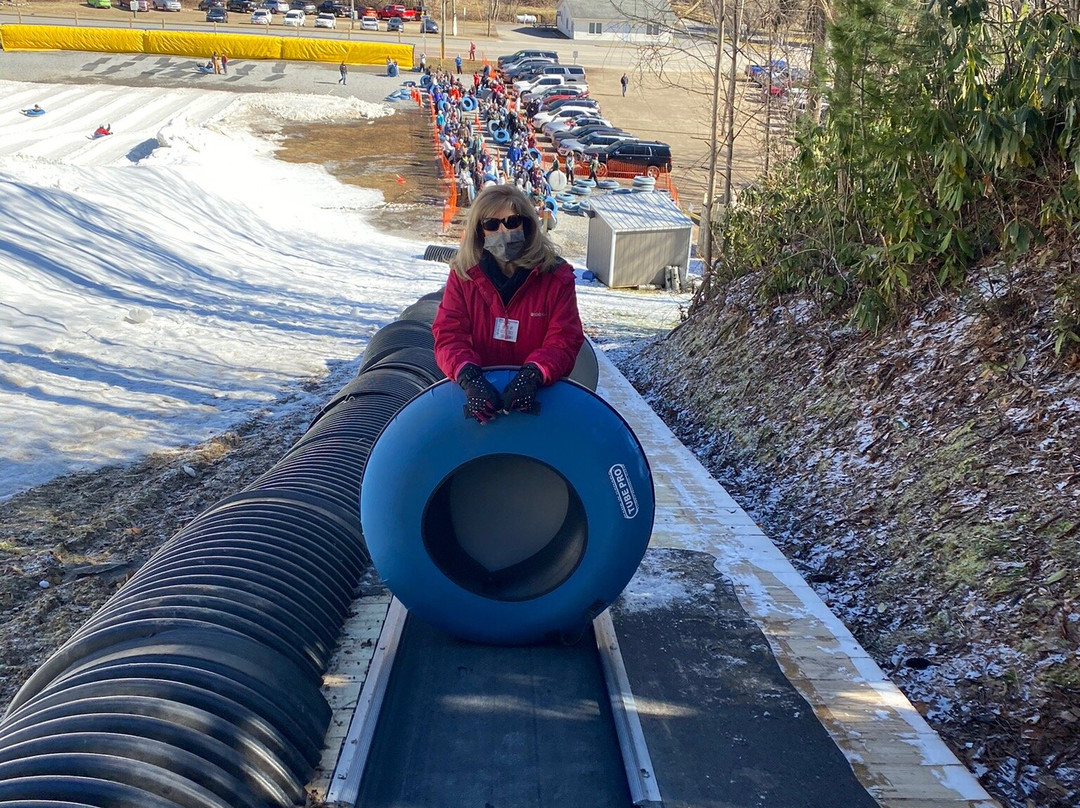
[562, 94]
[396, 10]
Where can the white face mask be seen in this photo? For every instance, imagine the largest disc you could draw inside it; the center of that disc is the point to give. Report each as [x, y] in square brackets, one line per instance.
[506, 245]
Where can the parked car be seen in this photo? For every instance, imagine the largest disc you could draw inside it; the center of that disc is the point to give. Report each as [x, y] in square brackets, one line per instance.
[275, 6]
[167, 5]
[99, 3]
[759, 73]
[217, 14]
[206, 5]
[428, 26]
[134, 5]
[240, 6]
[395, 24]
[525, 96]
[578, 146]
[582, 126]
[516, 55]
[294, 17]
[539, 84]
[335, 7]
[305, 6]
[569, 112]
[572, 72]
[552, 103]
[391, 10]
[262, 16]
[369, 23]
[651, 157]
[324, 19]
[528, 69]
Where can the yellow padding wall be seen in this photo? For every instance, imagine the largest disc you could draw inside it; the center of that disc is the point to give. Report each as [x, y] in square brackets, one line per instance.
[199, 45]
[193, 43]
[59, 37]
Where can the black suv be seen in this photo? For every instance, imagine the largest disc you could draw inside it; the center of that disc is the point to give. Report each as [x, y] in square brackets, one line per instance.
[334, 7]
[653, 157]
[240, 6]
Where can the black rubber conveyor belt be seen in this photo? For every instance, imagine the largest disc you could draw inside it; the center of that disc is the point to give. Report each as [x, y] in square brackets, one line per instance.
[468, 724]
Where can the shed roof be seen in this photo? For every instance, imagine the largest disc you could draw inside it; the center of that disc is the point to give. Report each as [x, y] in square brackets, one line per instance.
[640, 211]
[653, 10]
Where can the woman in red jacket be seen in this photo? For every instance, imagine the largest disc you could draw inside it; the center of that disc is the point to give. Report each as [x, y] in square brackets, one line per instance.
[509, 300]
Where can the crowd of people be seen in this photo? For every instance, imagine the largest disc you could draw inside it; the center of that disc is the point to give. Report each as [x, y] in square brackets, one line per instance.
[518, 162]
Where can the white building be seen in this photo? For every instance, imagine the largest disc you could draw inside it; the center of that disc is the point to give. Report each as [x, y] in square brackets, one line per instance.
[620, 20]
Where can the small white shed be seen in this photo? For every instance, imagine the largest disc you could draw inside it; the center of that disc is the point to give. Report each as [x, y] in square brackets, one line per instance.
[635, 237]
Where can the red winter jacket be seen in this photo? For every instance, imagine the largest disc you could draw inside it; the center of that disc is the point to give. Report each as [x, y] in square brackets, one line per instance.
[545, 309]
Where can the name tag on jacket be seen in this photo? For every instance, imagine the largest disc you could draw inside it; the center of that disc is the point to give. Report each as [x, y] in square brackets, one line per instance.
[506, 329]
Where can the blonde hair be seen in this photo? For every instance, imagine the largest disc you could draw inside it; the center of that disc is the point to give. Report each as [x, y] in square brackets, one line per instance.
[491, 200]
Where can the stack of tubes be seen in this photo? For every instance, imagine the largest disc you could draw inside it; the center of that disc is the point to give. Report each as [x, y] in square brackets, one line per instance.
[198, 684]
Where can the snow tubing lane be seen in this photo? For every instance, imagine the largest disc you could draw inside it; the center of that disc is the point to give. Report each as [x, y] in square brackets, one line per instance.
[511, 532]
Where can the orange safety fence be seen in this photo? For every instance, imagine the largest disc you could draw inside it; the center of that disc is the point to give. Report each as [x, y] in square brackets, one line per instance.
[619, 170]
[450, 204]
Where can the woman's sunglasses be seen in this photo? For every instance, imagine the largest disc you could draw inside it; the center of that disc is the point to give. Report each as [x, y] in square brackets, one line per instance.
[510, 222]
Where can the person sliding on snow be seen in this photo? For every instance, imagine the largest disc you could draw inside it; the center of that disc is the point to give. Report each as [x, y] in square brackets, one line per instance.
[104, 129]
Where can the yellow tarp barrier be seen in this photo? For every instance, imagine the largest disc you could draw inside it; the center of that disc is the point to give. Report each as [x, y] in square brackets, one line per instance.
[192, 43]
[354, 53]
[59, 37]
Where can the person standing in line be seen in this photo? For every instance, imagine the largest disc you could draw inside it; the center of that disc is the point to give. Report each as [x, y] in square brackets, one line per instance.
[625, 82]
[423, 62]
[457, 62]
[509, 300]
[224, 63]
[570, 168]
[472, 51]
[343, 71]
[594, 166]
[216, 60]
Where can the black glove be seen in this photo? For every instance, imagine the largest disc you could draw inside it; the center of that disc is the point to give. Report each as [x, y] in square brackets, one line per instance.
[483, 402]
[520, 394]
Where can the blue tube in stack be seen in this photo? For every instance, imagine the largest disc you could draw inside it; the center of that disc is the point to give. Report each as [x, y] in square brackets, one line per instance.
[198, 684]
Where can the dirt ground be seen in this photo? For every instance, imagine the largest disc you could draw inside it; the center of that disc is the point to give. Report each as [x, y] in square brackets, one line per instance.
[394, 155]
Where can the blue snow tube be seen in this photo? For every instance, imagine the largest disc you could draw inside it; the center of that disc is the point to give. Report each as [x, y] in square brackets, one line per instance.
[501, 136]
[492, 127]
[608, 185]
[425, 80]
[444, 105]
[564, 198]
[536, 155]
[550, 203]
[33, 113]
[468, 103]
[507, 533]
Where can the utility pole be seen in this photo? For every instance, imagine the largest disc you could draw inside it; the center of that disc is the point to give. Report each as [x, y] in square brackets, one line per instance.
[729, 156]
[705, 225]
[442, 32]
